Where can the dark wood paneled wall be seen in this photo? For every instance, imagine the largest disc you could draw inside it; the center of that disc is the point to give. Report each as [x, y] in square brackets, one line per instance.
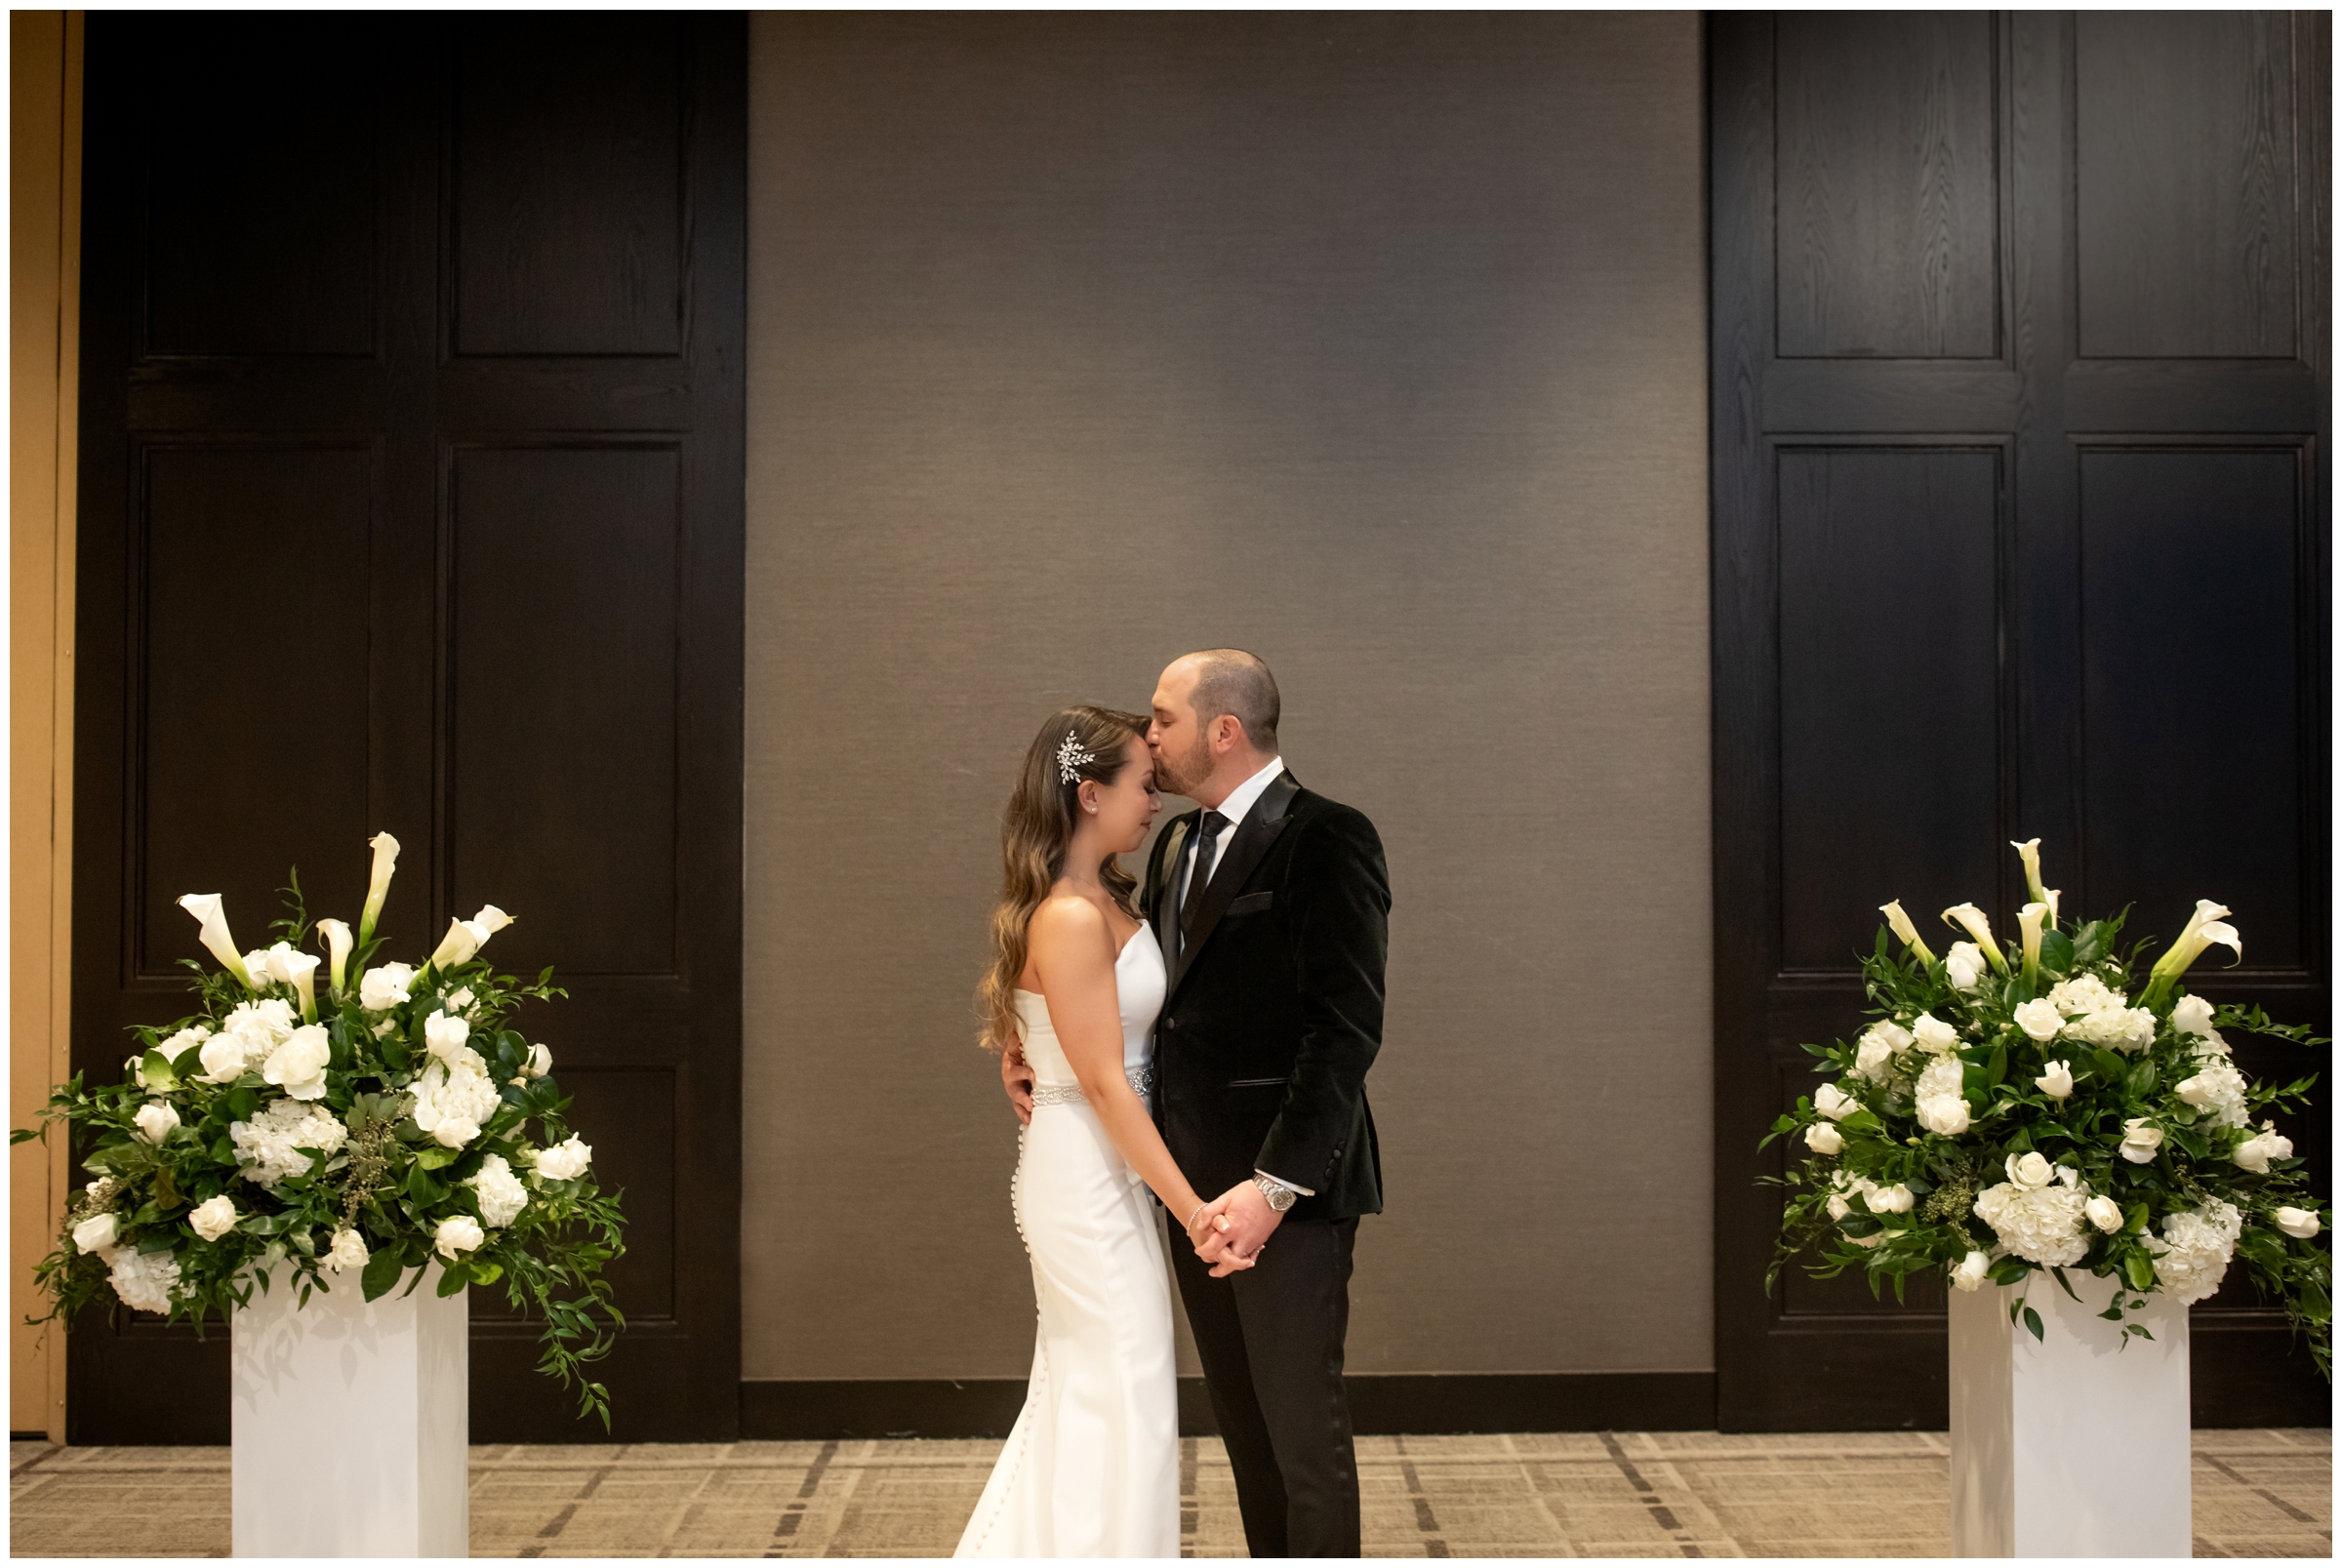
[2021, 484]
[412, 500]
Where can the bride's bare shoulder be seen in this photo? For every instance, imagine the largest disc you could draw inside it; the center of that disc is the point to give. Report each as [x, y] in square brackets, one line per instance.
[1066, 923]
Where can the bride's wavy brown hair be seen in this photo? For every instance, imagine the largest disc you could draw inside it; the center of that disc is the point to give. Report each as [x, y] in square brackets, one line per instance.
[1036, 831]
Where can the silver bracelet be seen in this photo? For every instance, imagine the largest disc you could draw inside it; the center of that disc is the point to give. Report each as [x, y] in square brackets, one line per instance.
[1190, 1227]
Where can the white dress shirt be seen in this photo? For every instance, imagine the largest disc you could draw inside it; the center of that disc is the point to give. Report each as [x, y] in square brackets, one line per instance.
[1235, 807]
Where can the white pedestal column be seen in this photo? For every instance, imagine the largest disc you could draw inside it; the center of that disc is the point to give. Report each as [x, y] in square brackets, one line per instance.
[351, 1423]
[2072, 1445]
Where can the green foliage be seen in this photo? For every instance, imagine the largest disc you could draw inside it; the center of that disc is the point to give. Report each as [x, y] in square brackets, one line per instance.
[388, 1182]
[2121, 1079]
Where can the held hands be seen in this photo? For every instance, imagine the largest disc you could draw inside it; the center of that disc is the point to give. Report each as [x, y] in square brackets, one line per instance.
[1016, 1076]
[1233, 1229]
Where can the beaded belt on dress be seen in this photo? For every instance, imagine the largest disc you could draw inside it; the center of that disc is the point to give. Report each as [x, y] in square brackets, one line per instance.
[1142, 1080]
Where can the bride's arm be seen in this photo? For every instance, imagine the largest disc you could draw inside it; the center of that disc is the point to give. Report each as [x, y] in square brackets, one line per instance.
[1074, 951]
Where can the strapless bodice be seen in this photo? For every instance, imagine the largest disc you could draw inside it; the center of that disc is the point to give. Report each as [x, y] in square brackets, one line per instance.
[1139, 984]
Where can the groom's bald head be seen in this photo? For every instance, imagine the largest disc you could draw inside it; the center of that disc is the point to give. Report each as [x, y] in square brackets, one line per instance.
[1233, 682]
[1215, 722]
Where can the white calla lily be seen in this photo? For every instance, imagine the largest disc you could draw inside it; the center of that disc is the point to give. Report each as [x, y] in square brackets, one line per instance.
[465, 938]
[2030, 852]
[2205, 927]
[1971, 919]
[339, 944]
[377, 888]
[1907, 934]
[212, 917]
[2029, 930]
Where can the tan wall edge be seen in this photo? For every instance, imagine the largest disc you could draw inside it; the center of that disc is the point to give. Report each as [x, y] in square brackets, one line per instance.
[44, 383]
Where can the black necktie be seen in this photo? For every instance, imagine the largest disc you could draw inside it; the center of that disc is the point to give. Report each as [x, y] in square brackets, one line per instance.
[1207, 849]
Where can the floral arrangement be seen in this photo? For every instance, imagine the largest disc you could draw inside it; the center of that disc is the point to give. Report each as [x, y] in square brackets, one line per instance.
[2022, 1109]
[346, 1137]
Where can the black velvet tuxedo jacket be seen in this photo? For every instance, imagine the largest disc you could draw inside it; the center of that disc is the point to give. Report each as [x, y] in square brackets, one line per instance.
[1274, 1010]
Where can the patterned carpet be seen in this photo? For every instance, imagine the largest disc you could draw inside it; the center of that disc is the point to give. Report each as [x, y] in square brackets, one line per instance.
[2261, 1493]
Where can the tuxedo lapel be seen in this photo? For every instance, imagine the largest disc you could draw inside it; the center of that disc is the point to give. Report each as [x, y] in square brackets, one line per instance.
[1163, 911]
[1251, 842]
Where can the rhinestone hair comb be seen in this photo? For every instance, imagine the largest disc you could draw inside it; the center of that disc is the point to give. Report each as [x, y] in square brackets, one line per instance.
[1071, 759]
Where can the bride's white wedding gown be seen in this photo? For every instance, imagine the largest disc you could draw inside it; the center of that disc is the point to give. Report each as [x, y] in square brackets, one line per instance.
[1092, 1468]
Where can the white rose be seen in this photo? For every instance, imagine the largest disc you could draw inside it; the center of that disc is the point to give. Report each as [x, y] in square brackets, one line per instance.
[1971, 1270]
[1834, 1102]
[2140, 1141]
[2255, 1153]
[441, 1035]
[96, 1233]
[455, 1130]
[1838, 1206]
[1824, 1139]
[2193, 1015]
[1944, 1115]
[1877, 1048]
[2300, 1223]
[2030, 1172]
[222, 1058]
[1933, 1035]
[297, 1066]
[1894, 1199]
[384, 986]
[538, 1063]
[2041, 1019]
[2104, 1213]
[349, 1252]
[2056, 1079]
[1963, 965]
[459, 999]
[457, 1233]
[567, 1160]
[193, 1034]
[501, 1197]
[214, 1217]
[156, 1121]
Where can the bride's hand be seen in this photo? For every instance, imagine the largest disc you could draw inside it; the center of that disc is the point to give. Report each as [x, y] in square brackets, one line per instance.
[1016, 1076]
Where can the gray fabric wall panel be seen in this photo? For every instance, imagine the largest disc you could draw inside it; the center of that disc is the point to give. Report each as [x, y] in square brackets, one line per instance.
[1374, 343]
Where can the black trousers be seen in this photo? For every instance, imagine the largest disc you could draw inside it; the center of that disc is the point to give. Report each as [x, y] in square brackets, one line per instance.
[1271, 1340]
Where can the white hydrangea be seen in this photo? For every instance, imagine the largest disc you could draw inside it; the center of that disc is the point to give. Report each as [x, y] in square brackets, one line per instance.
[248, 1037]
[1937, 1099]
[146, 1281]
[455, 1097]
[2193, 1254]
[1875, 1052]
[268, 1147]
[501, 1197]
[2042, 1225]
[2115, 1028]
[2084, 993]
[2193, 1015]
[2216, 1087]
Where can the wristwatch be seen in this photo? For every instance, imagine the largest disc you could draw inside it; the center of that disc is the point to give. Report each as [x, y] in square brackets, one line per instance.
[1281, 1196]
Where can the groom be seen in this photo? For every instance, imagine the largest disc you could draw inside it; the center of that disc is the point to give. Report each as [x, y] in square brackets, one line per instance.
[1271, 904]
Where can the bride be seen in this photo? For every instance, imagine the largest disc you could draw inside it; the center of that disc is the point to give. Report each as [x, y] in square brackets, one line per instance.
[1092, 1468]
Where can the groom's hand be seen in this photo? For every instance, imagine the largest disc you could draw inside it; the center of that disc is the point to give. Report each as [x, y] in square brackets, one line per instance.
[1249, 1223]
[1016, 1076]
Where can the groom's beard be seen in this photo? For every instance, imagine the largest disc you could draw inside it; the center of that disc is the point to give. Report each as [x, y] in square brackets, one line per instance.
[1180, 775]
